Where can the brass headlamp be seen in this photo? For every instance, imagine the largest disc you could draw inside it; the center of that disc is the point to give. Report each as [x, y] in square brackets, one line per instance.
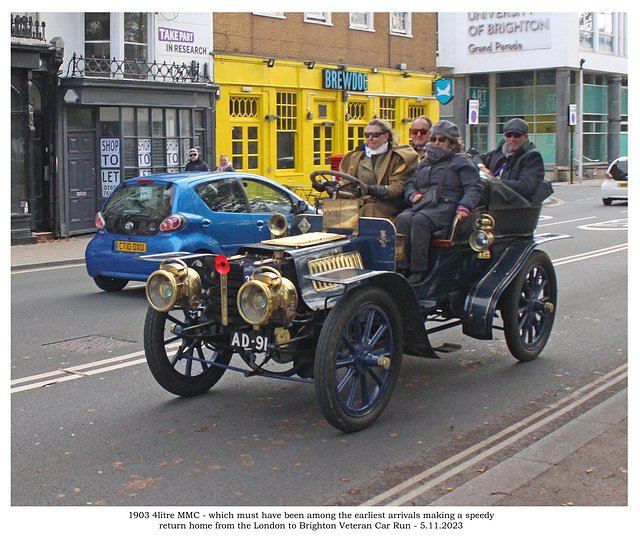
[172, 282]
[266, 293]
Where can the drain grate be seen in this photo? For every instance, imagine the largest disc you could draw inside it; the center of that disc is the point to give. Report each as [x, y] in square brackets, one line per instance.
[88, 344]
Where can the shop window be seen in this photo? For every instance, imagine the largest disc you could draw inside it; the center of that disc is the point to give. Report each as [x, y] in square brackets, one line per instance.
[355, 136]
[516, 79]
[416, 110]
[109, 122]
[479, 80]
[515, 101]
[287, 112]
[244, 147]
[400, 24]
[357, 111]
[243, 107]
[362, 20]
[153, 140]
[388, 110]
[546, 77]
[322, 144]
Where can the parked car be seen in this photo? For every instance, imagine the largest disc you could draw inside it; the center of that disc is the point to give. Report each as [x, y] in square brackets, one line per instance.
[615, 187]
[182, 212]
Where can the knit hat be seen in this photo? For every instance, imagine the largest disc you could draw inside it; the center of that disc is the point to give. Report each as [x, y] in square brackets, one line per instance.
[193, 151]
[445, 128]
[516, 125]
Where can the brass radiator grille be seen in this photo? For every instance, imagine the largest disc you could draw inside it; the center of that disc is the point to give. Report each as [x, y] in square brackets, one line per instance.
[343, 260]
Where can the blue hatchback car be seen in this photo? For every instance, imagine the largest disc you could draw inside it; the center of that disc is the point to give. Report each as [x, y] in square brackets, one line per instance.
[189, 212]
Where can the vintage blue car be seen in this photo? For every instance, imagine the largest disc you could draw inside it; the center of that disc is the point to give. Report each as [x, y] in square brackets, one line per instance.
[187, 212]
[326, 305]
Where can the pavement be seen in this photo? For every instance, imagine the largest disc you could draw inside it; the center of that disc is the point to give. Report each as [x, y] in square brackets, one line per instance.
[582, 463]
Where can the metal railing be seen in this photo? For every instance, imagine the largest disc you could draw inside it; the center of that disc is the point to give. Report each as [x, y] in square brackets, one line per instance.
[79, 66]
[26, 27]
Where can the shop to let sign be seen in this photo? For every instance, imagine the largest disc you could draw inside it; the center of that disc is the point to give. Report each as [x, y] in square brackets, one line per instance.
[110, 164]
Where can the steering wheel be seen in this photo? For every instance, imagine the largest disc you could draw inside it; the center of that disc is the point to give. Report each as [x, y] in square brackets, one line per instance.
[335, 188]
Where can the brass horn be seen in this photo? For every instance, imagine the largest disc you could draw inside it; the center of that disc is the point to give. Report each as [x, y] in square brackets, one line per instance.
[278, 226]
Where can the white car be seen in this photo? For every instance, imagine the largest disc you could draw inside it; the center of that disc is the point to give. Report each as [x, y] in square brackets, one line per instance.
[614, 187]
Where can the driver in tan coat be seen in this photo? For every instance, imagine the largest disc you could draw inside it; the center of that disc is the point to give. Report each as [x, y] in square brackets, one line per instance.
[383, 166]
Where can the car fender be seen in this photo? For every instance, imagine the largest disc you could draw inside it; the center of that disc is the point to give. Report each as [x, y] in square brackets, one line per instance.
[416, 340]
[482, 300]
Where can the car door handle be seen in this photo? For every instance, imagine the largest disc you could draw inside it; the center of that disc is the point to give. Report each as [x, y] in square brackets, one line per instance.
[206, 222]
[260, 223]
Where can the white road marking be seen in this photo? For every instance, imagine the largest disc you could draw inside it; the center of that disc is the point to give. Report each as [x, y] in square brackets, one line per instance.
[578, 397]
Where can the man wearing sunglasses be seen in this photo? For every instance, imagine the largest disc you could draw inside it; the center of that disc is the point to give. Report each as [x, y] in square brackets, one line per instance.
[419, 135]
[516, 161]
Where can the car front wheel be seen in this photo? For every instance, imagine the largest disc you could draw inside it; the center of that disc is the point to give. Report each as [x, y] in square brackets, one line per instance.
[358, 358]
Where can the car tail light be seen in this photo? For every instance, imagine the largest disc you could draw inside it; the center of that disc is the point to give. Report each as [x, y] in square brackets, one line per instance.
[608, 175]
[173, 223]
[99, 221]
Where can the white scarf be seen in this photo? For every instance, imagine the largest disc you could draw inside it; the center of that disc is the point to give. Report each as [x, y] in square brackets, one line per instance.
[380, 150]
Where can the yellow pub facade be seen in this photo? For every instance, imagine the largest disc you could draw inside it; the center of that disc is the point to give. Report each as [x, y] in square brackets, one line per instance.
[284, 119]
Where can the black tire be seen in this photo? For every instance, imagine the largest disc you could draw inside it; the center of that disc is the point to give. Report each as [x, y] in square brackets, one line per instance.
[529, 307]
[352, 387]
[607, 202]
[110, 284]
[174, 368]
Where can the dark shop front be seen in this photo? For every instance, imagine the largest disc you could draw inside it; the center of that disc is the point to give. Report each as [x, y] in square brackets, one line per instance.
[113, 130]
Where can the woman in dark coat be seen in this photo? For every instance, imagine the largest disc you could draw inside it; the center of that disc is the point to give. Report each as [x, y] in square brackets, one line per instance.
[459, 194]
[383, 166]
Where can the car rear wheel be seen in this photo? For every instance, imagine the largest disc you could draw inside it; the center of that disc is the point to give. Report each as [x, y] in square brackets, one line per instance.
[607, 202]
[358, 358]
[110, 284]
[529, 307]
[181, 361]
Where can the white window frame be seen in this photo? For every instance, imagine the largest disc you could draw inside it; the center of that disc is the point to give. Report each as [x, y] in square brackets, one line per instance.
[318, 17]
[272, 14]
[367, 26]
[406, 16]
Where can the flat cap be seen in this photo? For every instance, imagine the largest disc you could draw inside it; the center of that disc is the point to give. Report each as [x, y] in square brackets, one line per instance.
[516, 125]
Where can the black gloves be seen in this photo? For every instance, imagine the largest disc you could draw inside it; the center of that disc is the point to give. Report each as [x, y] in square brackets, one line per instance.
[375, 190]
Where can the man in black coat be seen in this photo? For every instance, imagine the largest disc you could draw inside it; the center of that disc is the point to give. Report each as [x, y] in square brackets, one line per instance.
[195, 163]
[516, 160]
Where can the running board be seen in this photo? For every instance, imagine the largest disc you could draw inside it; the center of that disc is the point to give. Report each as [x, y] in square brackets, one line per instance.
[448, 347]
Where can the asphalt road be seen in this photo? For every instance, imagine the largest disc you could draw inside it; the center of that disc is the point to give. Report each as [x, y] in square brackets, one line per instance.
[109, 435]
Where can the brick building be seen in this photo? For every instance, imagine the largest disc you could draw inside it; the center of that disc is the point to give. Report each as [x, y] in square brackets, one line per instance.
[296, 88]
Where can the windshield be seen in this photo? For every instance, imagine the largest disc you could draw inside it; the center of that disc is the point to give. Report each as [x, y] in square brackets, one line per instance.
[138, 209]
